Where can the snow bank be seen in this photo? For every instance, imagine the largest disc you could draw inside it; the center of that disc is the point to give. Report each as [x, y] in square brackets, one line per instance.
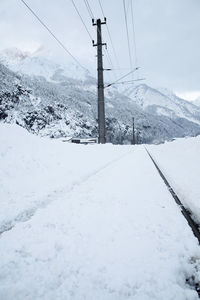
[180, 162]
[34, 170]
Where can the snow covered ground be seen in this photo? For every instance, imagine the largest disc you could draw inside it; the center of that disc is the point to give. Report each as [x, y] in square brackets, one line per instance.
[104, 226]
[180, 163]
[34, 170]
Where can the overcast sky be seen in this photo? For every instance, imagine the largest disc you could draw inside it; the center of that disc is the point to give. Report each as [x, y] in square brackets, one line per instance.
[167, 36]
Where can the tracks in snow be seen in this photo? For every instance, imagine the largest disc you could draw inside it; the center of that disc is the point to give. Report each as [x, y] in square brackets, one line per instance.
[27, 214]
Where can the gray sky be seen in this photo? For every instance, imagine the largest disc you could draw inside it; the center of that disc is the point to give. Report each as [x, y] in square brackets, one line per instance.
[167, 36]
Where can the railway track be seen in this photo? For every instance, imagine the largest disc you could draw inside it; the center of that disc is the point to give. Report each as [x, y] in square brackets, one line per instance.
[187, 215]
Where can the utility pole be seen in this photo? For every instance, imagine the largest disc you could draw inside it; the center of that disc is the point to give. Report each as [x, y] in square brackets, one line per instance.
[100, 85]
[133, 141]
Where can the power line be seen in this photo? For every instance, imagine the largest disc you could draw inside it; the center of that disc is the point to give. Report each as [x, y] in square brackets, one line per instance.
[108, 58]
[107, 74]
[92, 16]
[81, 19]
[122, 77]
[53, 35]
[89, 9]
[127, 8]
[109, 34]
[101, 8]
[134, 39]
[107, 53]
[129, 81]
[127, 33]
[109, 61]
[120, 69]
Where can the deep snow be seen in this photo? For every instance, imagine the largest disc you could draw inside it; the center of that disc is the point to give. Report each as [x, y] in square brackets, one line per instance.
[106, 226]
[34, 170]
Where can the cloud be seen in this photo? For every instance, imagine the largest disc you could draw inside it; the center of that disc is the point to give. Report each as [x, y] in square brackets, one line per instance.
[167, 35]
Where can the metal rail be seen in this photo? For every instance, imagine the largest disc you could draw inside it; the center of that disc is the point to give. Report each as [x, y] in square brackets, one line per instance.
[194, 226]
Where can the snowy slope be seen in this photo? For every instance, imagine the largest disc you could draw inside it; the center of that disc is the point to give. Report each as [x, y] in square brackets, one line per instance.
[63, 102]
[196, 102]
[40, 64]
[114, 234]
[165, 103]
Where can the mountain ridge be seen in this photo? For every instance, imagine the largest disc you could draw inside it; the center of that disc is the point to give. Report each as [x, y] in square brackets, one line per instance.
[59, 105]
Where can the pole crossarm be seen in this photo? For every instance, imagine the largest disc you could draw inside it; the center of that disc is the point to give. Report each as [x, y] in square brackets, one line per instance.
[95, 45]
[96, 24]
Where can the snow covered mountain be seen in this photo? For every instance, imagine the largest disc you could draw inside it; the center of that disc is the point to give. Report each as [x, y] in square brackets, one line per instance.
[196, 102]
[48, 99]
[165, 104]
[39, 63]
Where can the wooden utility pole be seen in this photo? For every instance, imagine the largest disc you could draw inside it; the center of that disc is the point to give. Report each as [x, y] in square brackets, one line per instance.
[133, 141]
[100, 85]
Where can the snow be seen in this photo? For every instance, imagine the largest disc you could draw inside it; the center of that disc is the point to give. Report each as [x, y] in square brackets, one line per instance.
[165, 103]
[196, 101]
[63, 106]
[179, 161]
[40, 64]
[105, 227]
[33, 170]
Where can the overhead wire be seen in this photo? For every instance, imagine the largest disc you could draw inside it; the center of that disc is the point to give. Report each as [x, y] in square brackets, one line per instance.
[106, 54]
[89, 9]
[127, 34]
[107, 73]
[91, 14]
[127, 74]
[120, 69]
[111, 41]
[129, 81]
[134, 38]
[109, 34]
[127, 8]
[53, 35]
[108, 57]
[81, 19]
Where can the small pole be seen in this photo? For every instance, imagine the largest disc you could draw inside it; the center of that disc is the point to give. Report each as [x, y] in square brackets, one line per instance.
[100, 85]
[133, 141]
